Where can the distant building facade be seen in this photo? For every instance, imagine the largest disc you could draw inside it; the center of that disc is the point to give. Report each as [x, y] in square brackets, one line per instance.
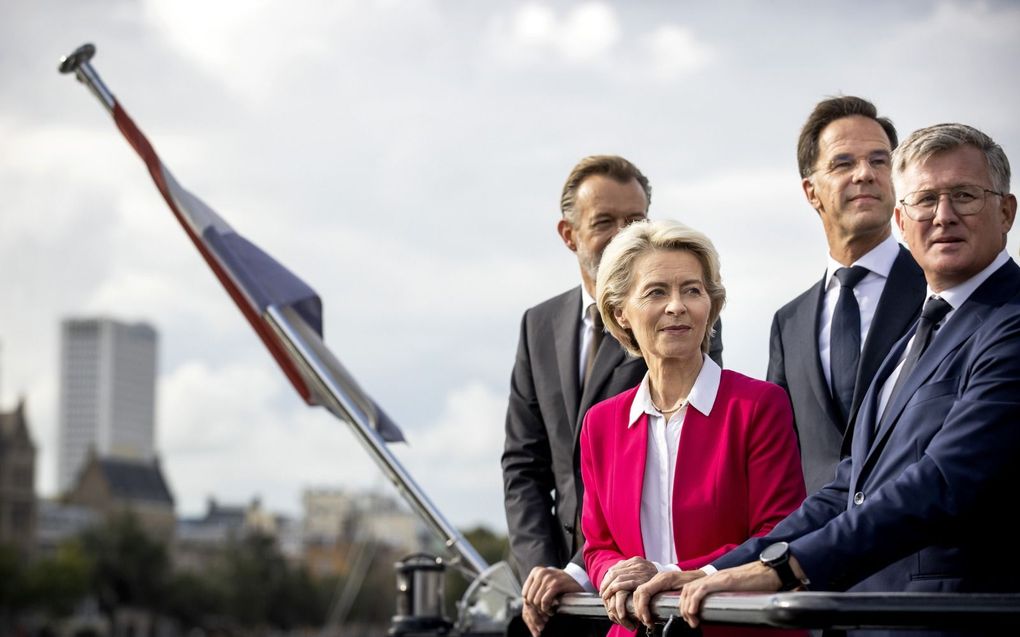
[200, 540]
[334, 521]
[17, 480]
[107, 393]
[384, 520]
[58, 522]
[113, 486]
[327, 515]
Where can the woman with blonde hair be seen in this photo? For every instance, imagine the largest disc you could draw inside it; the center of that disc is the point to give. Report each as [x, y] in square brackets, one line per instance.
[695, 459]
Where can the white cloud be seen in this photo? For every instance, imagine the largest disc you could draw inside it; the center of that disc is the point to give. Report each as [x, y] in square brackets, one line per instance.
[590, 30]
[226, 432]
[236, 432]
[535, 24]
[675, 51]
[457, 459]
[255, 46]
[536, 33]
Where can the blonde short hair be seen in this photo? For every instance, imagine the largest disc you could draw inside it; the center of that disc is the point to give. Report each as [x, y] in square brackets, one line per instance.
[616, 272]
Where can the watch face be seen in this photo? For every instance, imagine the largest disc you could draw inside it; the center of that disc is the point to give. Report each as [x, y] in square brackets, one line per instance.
[774, 552]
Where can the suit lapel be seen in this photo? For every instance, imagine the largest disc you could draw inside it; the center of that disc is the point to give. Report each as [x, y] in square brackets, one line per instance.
[991, 294]
[864, 430]
[898, 307]
[805, 322]
[632, 453]
[566, 331]
[607, 359]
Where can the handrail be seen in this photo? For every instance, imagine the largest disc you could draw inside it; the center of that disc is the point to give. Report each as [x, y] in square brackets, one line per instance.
[945, 611]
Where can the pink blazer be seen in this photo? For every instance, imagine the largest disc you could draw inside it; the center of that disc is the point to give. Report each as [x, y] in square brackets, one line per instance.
[738, 473]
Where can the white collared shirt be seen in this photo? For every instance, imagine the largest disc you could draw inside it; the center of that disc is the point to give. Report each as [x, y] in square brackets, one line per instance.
[955, 297]
[879, 261]
[660, 461]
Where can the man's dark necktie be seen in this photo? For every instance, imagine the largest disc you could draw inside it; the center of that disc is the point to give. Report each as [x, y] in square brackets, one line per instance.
[934, 310]
[845, 340]
[597, 329]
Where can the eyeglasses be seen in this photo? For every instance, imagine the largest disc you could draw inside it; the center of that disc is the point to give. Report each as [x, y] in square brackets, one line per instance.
[921, 205]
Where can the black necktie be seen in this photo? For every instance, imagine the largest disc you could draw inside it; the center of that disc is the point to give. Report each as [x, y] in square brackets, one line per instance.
[845, 340]
[597, 330]
[934, 310]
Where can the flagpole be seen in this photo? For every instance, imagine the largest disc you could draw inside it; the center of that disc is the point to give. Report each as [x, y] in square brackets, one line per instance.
[321, 377]
[327, 384]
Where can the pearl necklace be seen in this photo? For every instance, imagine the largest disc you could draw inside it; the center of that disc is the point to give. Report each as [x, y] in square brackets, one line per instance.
[675, 407]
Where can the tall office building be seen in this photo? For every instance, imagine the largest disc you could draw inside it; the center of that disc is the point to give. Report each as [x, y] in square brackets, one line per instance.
[107, 393]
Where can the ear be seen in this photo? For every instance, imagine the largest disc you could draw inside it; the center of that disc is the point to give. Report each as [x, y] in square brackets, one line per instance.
[566, 232]
[1008, 212]
[620, 318]
[899, 217]
[809, 193]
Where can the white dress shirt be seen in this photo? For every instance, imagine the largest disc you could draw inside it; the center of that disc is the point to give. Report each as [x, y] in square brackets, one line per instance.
[879, 261]
[660, 461]
[955, 297]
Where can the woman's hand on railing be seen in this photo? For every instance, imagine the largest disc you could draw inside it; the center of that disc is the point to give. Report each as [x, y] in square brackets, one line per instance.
[620, 581]
[666, 581]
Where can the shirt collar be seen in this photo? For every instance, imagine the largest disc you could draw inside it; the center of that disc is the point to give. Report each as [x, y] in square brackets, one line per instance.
[702, 395]
[958, 294]
[878, 260]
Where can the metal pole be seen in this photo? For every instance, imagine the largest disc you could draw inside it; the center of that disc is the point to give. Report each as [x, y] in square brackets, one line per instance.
[333, 396]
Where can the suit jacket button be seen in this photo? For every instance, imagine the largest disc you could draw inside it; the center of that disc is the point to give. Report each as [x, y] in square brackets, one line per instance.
[859, 498]
[569, 528]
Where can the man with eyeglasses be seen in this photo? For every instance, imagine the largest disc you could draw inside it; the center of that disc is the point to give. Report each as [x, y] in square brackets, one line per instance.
[918, 506]
[827, 343]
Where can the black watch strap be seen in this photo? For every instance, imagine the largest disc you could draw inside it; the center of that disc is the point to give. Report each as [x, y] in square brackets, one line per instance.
[786, 575]
[777, 557]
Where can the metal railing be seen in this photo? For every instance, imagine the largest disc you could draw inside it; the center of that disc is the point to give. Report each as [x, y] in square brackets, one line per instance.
[943, 611]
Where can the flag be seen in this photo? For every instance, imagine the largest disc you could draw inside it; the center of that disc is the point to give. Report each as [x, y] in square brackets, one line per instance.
[263, 289]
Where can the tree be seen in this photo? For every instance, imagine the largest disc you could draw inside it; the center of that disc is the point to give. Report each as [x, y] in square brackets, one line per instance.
[11, 586]
[56, 584]
[130, 568]
[194, 600]
[490, 546]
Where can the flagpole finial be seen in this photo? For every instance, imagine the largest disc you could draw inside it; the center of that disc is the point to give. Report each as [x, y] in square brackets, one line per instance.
[78, 63]
[81, 55]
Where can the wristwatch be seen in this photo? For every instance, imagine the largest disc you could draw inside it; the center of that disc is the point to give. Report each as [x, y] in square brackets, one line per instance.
[777, 557]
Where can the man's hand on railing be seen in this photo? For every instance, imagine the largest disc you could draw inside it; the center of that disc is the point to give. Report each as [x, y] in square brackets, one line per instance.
[753, 576]
[540, 594]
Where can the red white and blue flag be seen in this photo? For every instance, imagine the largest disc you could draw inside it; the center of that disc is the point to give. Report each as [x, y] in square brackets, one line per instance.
[257, 282]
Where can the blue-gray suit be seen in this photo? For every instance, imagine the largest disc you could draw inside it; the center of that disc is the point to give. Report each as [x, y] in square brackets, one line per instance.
[920, 504]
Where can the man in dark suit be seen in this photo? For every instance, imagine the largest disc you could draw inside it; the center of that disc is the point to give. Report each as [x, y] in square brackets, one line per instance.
[918, 505]
[823, 349]
[564, 365]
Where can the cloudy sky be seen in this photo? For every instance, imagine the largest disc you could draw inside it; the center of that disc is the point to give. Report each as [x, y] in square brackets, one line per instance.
[405, 159]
